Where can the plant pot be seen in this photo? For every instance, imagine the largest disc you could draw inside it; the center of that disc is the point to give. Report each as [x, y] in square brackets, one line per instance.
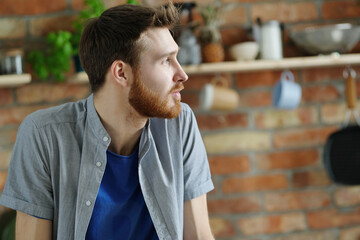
[212, 52]
[77, 63]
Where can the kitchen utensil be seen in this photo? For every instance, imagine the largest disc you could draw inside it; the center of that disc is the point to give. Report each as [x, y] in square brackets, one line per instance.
[244, 51]
[218, 96]
[271, 40]
[287, 93]
[326, 39]
[342, 152]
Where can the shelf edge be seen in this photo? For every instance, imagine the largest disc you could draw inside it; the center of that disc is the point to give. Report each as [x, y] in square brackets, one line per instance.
[14, 80]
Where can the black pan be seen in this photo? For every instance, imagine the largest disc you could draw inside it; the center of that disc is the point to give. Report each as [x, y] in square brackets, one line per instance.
[342, 148]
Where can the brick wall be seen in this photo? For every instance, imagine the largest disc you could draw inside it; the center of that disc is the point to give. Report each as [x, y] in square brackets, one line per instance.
[266, 164]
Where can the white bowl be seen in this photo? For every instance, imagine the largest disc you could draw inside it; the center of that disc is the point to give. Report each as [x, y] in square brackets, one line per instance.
[244, 51]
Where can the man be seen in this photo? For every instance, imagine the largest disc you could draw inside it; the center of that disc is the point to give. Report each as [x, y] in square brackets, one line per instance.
[126, 163]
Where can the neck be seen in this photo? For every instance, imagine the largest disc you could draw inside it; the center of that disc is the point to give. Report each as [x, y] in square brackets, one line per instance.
[121, 121]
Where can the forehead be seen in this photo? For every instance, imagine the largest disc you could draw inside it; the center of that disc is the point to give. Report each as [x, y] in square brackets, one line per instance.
[158, 40]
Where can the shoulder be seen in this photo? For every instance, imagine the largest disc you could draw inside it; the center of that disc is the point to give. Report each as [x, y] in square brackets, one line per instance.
[65, 113]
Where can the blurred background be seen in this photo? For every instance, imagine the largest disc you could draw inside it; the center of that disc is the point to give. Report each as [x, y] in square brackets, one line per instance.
[267, 163]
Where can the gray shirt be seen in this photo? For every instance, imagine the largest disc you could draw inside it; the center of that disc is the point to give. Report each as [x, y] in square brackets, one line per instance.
[59, 159]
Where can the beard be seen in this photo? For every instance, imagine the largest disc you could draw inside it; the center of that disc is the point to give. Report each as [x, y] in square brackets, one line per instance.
[149, 104]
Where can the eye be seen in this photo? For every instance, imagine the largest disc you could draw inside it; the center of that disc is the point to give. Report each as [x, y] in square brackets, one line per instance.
[166, 61]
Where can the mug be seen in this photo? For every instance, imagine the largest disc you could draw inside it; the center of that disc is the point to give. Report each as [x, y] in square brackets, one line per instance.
[218, 96]
[287, 93]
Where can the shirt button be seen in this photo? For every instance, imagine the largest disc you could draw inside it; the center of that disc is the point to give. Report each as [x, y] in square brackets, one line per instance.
[105, 139]
[88, 203]
[98, 164]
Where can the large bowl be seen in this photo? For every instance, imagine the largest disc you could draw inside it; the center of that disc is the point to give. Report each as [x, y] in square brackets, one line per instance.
[340, 38]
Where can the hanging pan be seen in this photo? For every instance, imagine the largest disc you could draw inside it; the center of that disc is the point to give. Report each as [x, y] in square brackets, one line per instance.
[342, 148]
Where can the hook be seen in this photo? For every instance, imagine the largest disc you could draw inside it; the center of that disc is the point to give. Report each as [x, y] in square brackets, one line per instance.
[349, 70]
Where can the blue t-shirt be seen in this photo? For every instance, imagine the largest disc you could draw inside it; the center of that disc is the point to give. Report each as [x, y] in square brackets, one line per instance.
[120, 211]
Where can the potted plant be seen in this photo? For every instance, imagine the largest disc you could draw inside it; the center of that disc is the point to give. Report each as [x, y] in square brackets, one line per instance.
[55, 60]
[210, 37]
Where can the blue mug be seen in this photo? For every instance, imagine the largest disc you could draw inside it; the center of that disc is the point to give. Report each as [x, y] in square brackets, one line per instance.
[287, 93]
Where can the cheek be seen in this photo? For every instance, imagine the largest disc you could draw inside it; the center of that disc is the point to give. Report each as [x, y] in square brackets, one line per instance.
[157, 80]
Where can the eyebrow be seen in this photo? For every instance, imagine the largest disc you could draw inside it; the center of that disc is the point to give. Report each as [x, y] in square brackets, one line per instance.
[169, 53]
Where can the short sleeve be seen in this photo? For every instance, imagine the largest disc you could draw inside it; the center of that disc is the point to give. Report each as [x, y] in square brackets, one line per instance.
[197, 177]
[28, 186]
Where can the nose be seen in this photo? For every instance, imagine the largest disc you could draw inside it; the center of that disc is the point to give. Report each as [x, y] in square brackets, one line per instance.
[180, 75]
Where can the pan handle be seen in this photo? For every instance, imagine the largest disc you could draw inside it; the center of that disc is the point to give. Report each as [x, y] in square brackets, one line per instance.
[350, 87]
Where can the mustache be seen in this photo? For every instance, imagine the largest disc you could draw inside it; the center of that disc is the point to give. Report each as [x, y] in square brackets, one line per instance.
[177, 88]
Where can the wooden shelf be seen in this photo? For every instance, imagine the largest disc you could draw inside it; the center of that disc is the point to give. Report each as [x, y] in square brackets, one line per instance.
[80, 77]
[14, 80]
[286, 63]
[259, 65]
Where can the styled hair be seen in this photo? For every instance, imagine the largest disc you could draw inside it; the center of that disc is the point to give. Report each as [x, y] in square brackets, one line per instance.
[115, 35]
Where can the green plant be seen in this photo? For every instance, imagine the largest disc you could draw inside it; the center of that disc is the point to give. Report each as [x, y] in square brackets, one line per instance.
[55, 60]
[93, 8]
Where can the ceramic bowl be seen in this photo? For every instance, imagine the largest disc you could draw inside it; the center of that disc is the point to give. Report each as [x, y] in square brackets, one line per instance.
[244, 51]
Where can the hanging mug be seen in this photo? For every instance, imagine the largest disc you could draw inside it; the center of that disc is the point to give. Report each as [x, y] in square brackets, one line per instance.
[287, 93]
[218, 96]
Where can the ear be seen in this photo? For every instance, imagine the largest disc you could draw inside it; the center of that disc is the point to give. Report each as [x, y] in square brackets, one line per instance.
[120, 72]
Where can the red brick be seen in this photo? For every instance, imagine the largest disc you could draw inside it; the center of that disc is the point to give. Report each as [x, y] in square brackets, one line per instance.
[12, 28]
[197, 82]
[340, 9]
[285, 12]
[234, 205]
[31, 7]
[333, 113]
[319, 94]
[8, 136]
[113, 3]
[255, 183]
[350, 233]
[272, 224]
[3, 176]
[321, 235]
[77, 4]
[6, 96]
[257, 79]
[44, 25]
[44, 92]
[347, 196]
[222, 227]
[322, 74]
[296, 200]
[14, 116]
[255, 99]
[233, 35]
[5, 156]
[218, 121]
[286, 159]
[308, 137]
[310, 178]
[236, 16]
[278, 118]
[229, 164]
[331, 218]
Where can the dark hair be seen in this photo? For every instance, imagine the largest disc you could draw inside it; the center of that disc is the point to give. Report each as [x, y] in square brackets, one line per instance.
[115, 34]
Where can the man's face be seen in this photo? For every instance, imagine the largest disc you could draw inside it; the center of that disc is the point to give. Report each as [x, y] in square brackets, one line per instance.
[158, 79]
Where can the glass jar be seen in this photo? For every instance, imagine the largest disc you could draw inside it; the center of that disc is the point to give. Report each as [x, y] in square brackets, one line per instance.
[12, 61]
